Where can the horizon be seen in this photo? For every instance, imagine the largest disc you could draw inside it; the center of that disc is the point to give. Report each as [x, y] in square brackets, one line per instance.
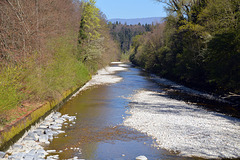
[134, 18]
[136, 21]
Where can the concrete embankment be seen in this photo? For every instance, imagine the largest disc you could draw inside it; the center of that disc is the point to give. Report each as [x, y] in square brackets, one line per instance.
[31, 145]
[21, 124]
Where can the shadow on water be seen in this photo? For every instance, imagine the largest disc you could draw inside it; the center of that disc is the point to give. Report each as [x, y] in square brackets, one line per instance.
[98, 132]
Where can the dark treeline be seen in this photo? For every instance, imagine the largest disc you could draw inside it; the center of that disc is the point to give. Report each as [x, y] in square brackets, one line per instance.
[199, 44]
[123, 33]
[46, 48]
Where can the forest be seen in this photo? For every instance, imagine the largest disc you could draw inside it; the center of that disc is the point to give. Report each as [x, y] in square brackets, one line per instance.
[198, 45]
[48, 47]
[123, 33]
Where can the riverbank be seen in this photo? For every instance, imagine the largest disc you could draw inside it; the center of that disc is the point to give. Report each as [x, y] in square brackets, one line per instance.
[182, 127]
[103, 76]
[18, 126]
[229, 103]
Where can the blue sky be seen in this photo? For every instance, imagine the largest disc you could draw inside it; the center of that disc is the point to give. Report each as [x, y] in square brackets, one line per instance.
[131, 8]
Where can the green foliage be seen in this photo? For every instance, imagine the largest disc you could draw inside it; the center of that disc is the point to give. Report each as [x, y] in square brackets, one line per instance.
[90, 22]
[223, 61]
[95, 47]
[220, 16]
[10, 87]
[92, 54]
[61, 73]
[124, 34]
[200, 44]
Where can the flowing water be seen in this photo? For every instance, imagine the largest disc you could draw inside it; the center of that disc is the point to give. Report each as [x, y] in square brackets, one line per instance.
[100, 130]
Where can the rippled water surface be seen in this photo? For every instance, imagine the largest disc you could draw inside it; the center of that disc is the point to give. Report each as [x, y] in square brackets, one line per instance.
[100, 111]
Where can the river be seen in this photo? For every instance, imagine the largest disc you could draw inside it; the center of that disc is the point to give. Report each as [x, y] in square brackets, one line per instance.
[129, 113]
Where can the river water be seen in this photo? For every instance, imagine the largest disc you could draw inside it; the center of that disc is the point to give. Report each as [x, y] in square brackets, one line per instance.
[129, 113]
[105, 127]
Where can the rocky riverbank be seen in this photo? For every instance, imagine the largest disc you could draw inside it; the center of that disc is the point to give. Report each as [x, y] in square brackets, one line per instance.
[184, 128]
[31, 145]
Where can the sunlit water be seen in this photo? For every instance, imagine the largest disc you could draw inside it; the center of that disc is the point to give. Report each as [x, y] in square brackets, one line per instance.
[120, 120]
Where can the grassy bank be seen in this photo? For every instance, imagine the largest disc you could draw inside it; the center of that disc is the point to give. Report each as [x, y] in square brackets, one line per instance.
[41, 78]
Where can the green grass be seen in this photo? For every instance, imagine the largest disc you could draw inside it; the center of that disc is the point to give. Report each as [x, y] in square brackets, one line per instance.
[10, 94]
[10, 90]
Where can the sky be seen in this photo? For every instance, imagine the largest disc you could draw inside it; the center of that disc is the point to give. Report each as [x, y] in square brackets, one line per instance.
[128, 9]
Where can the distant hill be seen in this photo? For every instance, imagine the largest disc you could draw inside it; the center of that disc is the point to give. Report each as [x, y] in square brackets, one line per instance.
[134, 21]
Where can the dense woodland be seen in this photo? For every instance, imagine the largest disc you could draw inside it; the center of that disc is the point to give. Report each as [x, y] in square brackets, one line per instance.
[198, 44]
[123, 33]
[48, 47]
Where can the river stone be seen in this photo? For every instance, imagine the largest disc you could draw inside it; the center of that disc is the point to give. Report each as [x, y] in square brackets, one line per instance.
[47, 142]
[29, 157]
[43, 126]
[65, 116]
[72, 118]
[59, 121]
[32, 152]
[55, 133]
[53, 157]
[47, 123]
[49, 119]
[15, 147]
[56, 116]
[58, 124]
[51, 151]
[38, 131]
[28, 138]
[55, 127]
[43, 138]
[59, 131]
[41, 153]
[50, 136]
[63, 119]
[141, 158]
[17, 156]
[34, 136]
[29, 142]
[2, 154]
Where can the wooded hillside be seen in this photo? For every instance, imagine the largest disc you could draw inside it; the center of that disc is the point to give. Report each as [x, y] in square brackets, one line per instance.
[47, 47]
[199, 44]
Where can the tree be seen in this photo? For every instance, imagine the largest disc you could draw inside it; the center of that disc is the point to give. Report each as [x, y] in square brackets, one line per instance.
[89, 24]
[89, 36]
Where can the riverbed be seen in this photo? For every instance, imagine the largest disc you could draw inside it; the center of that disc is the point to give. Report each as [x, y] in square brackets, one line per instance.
[124, 112]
